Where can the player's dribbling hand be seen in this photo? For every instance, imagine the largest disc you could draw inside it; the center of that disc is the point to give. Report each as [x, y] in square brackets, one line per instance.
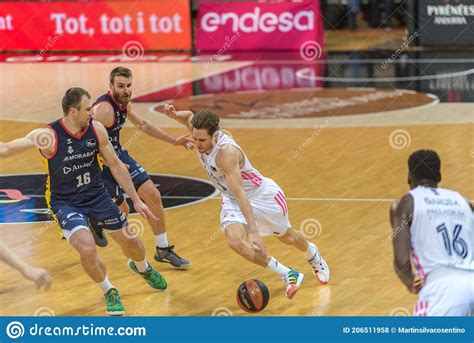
[258, 242]
[185, 141]
[143, 210]
[38, 276]
[167, 109]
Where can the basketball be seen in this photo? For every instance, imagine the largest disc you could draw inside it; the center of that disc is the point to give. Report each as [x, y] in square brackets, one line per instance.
[252, 295]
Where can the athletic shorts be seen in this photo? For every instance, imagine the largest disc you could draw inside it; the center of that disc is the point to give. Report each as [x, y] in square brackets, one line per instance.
[137, 173]
[97, 211]
[447, 292]
[269, 206]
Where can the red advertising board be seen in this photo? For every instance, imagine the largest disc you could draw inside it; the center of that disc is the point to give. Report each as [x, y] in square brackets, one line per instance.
[245, 26]
[72, 26]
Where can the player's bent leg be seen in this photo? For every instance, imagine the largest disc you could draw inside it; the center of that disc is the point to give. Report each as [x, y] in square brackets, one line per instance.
[133, 248]
[311, 252]
[164, 252]
[83, 242]
[237, 239]
[294, 238]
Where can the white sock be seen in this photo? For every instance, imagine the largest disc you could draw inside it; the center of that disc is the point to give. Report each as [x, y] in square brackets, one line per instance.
[105, 285]
[278, 267]
[311, 252]
[161, 240]
[142, 266]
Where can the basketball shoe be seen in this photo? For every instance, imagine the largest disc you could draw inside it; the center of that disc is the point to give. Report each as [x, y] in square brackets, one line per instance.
[168, 255]
[320, 267]
[113, 303]
[292, 281]
[151, 276]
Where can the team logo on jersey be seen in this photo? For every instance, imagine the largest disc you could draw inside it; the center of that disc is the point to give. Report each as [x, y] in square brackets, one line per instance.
[22, 196]
[70, 150]
[69, 141]
[90, 143]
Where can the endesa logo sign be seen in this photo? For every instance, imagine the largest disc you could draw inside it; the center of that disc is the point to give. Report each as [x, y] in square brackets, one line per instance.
[255, 21]
[252, 26]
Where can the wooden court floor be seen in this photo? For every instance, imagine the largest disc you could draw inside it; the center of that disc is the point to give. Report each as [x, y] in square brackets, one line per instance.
[338, 187]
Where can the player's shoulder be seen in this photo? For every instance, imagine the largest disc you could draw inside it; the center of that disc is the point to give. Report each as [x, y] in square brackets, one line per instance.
[103, 103]
[403, 203]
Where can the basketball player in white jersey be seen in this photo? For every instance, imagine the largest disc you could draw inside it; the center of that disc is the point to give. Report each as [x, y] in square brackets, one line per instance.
[433, 229]
[252, 205]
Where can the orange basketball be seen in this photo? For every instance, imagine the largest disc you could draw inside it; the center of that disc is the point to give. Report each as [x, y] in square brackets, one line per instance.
[252, 295]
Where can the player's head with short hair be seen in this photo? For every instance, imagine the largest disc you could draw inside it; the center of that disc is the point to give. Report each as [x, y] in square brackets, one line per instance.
[121, 84]
[205, 127]
[120, 71]
[72, 99]
[424, 166]
[206, 120]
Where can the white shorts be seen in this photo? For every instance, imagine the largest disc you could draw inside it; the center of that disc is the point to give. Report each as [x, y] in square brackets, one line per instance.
[447, 292]
[269, 206]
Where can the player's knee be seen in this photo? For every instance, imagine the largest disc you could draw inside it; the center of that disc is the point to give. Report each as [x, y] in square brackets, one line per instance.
[156, 195]
[87, 250]
[131, 243]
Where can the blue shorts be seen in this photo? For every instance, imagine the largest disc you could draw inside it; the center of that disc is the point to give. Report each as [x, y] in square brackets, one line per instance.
[97, 211]
[137, 173]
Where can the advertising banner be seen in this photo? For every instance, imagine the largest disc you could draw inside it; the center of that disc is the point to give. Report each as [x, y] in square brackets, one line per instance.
[446, 22]
[84, 26]
[246, 26]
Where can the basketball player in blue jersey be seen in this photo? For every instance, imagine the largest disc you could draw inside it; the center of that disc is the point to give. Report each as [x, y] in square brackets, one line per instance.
[112, 110]
[433, 230]
[252, 205]
[76, 196]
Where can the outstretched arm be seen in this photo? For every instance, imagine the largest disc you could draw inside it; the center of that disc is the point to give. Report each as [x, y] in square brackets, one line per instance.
[183, 117]
[37, 275]
[228, 159]
[401, 216]
[119, 170]
[154, 131]
[43, 139]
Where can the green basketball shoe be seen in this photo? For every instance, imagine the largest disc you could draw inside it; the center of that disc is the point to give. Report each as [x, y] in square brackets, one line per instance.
[151, 276]
[114, 306]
